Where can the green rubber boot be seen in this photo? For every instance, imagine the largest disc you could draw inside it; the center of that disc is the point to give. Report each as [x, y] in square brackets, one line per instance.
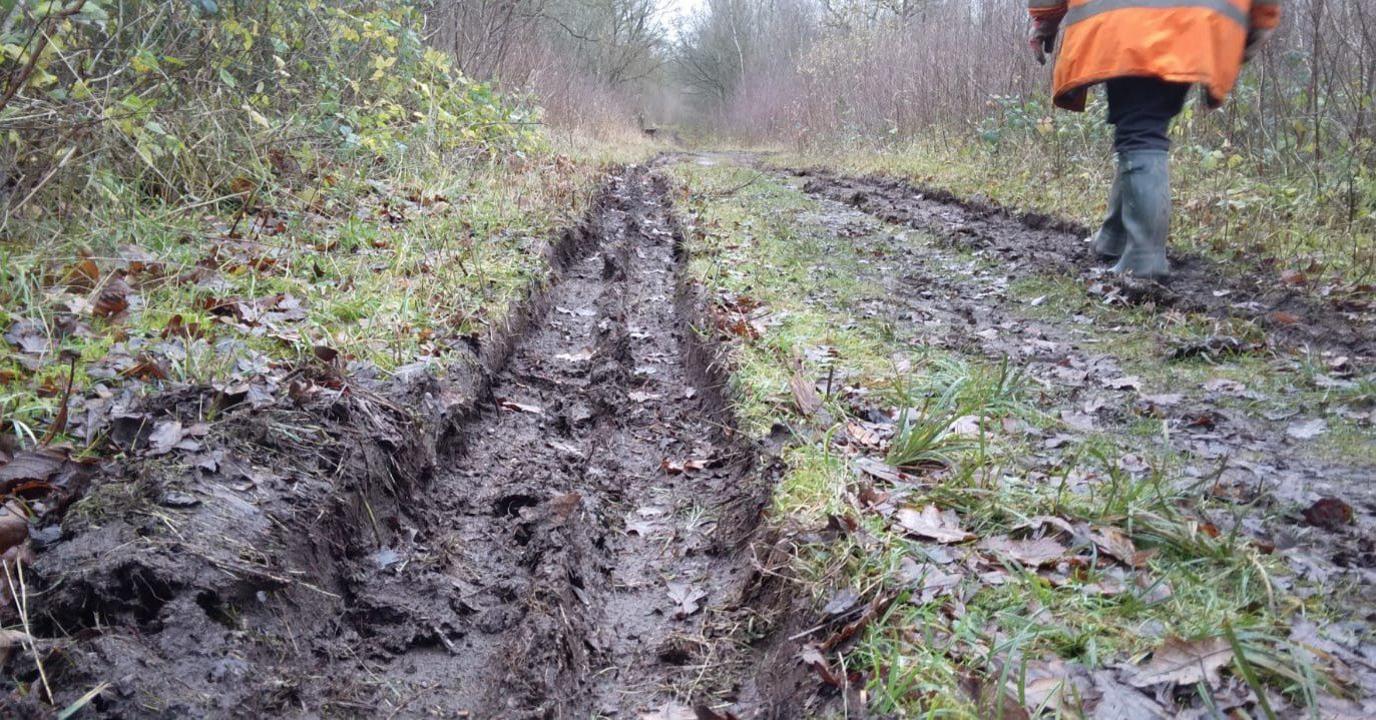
[1146, 213]
[1108, 240]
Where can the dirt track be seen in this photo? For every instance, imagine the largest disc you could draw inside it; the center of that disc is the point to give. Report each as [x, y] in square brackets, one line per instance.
[1029, 243]
[564, 526]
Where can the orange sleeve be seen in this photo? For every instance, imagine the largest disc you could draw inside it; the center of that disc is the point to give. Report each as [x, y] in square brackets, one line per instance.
[1047, 10]
[1265, 14]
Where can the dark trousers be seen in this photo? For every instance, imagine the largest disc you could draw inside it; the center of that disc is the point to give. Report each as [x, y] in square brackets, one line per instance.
[1140, 109]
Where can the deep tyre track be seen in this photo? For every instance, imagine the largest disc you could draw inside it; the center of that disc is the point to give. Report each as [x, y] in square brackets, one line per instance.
[564, 524]
[585, 547]
[1032, 243]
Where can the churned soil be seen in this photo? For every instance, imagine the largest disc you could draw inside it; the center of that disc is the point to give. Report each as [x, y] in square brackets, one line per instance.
[1030, 243]
[563, 524]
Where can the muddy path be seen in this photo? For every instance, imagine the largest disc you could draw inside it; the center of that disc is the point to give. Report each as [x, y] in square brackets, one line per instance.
[1224, 442]
[1031, 243]
[565, 524]
[592, 523]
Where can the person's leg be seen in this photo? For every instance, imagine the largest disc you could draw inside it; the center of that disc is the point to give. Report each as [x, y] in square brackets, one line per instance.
[1141, 110]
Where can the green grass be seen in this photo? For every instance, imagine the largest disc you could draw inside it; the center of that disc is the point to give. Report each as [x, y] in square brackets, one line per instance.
[388, 269]
[763, 242]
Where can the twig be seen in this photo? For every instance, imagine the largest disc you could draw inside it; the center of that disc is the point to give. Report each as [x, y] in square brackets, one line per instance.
[21, 602]
[37, 52]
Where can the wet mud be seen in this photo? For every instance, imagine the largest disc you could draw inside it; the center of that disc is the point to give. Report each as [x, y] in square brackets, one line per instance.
[1271, 481]
[563, 525]
[1032, 243]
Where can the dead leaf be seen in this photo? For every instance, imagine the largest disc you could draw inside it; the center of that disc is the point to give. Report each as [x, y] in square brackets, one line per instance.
[933, 524]
[1033, 553]
[678, 467]
[1077, 421]
[687, 599]
[14, 526]
[113, 299]
[811, 655]
[1121, 702]
[521, 407]
[805, 396]
[670, 711]
[640, 397]
[1115, 543]
[32, 465]
[1184, 662]
[877, 469]
[965, 426]
[841, 603]
[1329, 513]
[1129, 382]
[575, 357]
[1307, 430]
[166, 435]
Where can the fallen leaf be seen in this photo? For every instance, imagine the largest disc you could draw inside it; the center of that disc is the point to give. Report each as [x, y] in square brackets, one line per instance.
[166, 435]
[1129, 382]
[1329, 513]
[812, 656]
[687, 599]
[805, 395]
[1307, 430]
[933, 524]
[113, 299]
[1115, 543]
[677, 467]
[32, 465]
[1077, 421]
[877, 469]
[522, 407]
[1122, 702]
[1184, 662]
[965, 426]
[640, 397]
[670, 711]
[841, 603]
[14, 526]
[1033, 553]
[575, 357]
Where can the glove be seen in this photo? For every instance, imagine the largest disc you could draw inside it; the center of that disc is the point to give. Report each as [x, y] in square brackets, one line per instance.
[1256, 37]
[1043, 40]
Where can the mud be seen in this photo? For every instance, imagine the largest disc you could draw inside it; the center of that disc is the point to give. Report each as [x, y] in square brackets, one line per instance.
[563, 525]
[937, 297]
[1032, 243]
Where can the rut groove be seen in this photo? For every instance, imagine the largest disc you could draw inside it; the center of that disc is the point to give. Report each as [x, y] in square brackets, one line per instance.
[583, 541]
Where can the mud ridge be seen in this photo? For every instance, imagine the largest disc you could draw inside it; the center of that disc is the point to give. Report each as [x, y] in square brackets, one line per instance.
[1031, 243]
[562, 524]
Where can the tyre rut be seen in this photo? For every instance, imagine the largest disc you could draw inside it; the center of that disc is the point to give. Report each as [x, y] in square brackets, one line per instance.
[578, 557]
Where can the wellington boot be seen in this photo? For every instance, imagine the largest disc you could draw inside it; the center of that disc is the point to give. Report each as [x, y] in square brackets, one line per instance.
[1107, 242]
[1146, 213]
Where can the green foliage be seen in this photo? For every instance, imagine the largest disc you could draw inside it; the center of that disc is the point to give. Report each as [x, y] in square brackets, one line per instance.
[184, 98]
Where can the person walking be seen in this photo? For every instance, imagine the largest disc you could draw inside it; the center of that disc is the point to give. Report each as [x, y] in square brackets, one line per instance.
[1147, 54]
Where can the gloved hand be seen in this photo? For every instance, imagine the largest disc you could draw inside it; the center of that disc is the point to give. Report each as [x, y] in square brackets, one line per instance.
[1256, 38]
[1043, 39]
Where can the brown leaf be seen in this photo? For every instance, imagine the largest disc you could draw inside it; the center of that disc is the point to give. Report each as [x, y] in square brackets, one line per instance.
[1329, 513]
[805, 396]
[166, 435]
[1116, 543]
[877, 469]
[933, 524]
[83, 275]
[1121, 702]
[812, 656]
[521, 407]
[32, 465]
[1184, 662]
[677, 467]
[113, 299]
[1033, 553]
[14, 526]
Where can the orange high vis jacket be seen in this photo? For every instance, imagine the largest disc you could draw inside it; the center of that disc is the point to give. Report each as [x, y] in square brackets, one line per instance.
[1188, 41]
